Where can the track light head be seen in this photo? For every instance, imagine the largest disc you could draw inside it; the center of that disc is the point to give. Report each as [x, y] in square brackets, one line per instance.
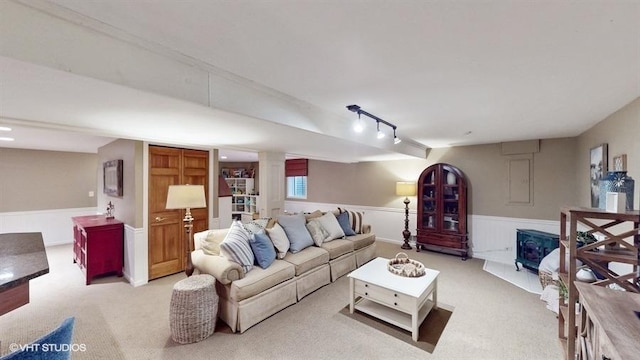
[358, 126]
[396, 140]
[380, 133]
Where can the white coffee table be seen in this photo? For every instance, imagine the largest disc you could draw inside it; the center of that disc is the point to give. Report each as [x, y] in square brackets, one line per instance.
[401, 301]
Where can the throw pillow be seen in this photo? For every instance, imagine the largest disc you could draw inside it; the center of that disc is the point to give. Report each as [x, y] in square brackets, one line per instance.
[343, 220]
[355, 219]
[279, 239]
[256, 226]
[318, 233]
[235, 247]
[263, 249]
[297, 233]
[331, 225]
[313, 215]
[211, 244]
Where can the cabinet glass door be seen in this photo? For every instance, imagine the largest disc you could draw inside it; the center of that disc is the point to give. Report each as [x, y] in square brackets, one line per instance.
[450, 203]
[429, 203]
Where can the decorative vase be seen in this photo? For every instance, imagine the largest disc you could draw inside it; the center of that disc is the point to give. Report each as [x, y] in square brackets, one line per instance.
[617, 181]
[451, 178]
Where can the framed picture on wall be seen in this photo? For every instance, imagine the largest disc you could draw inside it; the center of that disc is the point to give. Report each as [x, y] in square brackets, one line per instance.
[598, 166]
[620, 163]
[112, 177]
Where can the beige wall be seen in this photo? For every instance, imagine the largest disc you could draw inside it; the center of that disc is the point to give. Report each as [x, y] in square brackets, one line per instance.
[128, 207]
[373, 183]
[42, 180]
[621, 132]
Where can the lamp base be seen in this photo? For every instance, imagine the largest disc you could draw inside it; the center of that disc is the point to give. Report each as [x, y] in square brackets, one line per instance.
[406, 234]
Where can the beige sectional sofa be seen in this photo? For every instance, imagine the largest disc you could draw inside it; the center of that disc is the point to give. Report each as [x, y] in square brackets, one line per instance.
[248, 298]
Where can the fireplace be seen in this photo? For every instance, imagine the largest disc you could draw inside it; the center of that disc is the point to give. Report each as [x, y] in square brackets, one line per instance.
[532, 246]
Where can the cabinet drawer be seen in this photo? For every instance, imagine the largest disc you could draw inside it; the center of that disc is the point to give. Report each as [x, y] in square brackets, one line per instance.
[388, 297]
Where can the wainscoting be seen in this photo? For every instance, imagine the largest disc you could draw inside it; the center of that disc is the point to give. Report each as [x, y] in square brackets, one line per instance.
[57, 229]
[55, 225]
[491, 238]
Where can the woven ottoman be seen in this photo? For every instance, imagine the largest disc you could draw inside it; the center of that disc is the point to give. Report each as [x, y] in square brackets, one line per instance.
[194, 309]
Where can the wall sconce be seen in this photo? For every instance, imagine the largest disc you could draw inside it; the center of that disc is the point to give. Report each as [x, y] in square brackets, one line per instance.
[359, 126]
[406, 189]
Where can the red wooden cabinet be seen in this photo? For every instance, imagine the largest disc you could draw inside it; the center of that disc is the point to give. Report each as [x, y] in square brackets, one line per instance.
[98, 245]
[442, 210]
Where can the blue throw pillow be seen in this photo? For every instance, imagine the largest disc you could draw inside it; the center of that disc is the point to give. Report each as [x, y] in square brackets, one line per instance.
[343, 220]
[295, 228]
[263, 249]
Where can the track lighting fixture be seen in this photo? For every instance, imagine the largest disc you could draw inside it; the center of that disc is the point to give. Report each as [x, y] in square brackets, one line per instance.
[359, 125]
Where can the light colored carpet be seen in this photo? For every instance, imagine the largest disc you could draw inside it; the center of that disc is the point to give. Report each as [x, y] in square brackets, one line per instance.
[493, 319]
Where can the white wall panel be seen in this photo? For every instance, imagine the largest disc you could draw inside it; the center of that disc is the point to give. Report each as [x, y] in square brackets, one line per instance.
[55, 225]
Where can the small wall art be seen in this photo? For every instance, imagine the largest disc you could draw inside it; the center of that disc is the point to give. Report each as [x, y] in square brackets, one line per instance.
[112, 177]
[620, 163]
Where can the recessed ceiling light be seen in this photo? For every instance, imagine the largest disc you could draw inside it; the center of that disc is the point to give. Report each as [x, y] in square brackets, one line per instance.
[4, 128]
[6, 139]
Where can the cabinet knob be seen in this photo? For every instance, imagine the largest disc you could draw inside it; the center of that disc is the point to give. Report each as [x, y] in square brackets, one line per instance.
[366, 294]
[396, 304]
[159, 219]
[605, 358]
[366, 285]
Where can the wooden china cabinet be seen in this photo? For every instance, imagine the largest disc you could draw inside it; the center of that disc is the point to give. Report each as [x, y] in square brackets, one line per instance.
[442, 210]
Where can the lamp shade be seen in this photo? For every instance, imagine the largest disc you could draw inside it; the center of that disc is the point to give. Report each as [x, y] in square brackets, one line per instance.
[405, 188]
[186, 196]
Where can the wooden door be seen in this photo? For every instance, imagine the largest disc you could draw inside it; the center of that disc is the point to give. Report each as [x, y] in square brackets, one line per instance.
[195, 171]
[167, 237]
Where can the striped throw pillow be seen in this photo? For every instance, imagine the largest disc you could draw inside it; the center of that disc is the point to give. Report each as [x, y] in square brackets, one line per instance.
[236, 247]
[355, 219]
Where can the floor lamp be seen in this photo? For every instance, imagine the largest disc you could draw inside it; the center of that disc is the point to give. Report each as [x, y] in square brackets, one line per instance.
[406, 189]
[186, 197]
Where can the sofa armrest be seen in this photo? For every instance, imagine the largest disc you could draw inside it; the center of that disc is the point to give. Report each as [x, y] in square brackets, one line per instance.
[224, 270]
[366, 228]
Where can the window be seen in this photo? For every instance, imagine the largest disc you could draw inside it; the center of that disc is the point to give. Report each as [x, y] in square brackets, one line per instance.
[297, 187]
[296, 173]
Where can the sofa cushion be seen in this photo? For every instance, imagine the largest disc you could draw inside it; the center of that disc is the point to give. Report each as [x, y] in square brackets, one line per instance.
[259, 280]
[318, 233]
[263, 249]
[307, 259]
[331, 225]
[235, 246]
[338, 247]
[343, 220]
[279, 239]
[362, 240]
[297, 233]
[210, 244]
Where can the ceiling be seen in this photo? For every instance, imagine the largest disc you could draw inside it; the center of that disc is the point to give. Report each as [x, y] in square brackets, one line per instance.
[445, 73]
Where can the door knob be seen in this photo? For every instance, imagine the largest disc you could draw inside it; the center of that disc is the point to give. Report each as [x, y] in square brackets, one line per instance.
[159, 219]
